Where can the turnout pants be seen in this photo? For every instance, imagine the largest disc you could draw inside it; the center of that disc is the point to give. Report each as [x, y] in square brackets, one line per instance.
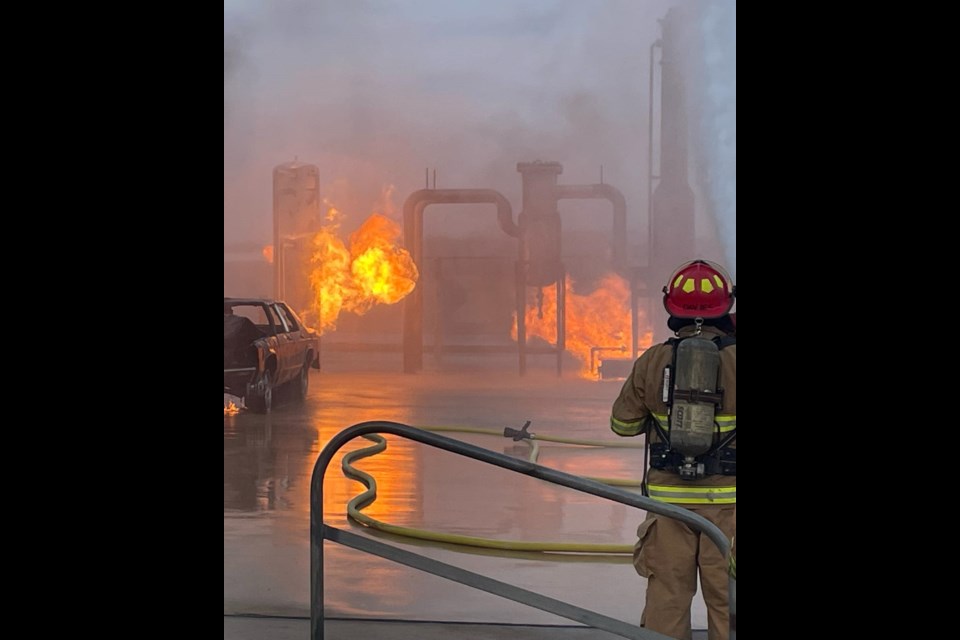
[670, 555]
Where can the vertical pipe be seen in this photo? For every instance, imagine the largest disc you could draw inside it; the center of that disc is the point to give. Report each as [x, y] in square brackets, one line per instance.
[437, 311]
[652, 315]
[416, 296]
[674, 203]
[276, 237]
[650, 175]
[618, 243]
[413, 305]
[280, 257]
[521, 316]
[561, 318]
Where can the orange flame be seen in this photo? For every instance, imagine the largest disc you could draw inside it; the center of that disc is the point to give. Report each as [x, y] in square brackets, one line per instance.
[231, 409]
[384, 272]
[268, 253]
[600, 320]
[374, 270]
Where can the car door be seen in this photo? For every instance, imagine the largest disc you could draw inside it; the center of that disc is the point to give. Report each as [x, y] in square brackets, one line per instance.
[289, 359]
[306, 338]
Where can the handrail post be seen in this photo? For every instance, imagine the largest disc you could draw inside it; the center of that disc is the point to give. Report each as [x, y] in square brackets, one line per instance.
[732, 606]
[316, 553]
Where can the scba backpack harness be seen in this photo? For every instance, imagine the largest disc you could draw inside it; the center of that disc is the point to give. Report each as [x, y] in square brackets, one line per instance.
[691, 445]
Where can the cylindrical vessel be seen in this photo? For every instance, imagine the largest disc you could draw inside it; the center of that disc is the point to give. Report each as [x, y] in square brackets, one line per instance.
[539, 222]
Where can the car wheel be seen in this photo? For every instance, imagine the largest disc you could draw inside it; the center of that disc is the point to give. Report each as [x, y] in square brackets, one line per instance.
[262, 402]
[303, 382]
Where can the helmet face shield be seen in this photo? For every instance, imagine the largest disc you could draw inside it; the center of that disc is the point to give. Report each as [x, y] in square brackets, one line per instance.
[699, 289]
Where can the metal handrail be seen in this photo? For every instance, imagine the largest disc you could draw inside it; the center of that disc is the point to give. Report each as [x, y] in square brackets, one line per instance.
[320, 531]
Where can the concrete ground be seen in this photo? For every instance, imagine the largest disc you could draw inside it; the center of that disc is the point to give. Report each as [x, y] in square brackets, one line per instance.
[246, 628]
[268, 462]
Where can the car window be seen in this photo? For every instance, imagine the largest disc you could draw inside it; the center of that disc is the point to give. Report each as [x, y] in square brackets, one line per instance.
[274, 319]
[288, 317]
[257, 314]
[281, 319]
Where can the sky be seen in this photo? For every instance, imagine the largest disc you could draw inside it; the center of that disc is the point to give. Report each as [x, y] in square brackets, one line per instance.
[376, 92]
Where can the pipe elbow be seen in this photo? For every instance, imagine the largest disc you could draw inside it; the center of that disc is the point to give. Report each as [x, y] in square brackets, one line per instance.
[420, 199]
[613, 195]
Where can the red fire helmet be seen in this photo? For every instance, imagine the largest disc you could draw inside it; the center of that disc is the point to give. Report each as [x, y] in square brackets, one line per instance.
[699, 289]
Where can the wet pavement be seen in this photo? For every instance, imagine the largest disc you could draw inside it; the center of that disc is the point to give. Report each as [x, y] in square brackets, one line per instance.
[268, 462]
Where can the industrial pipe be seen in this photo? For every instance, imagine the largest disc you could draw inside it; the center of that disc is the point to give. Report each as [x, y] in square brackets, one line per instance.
[413, 209]
[595, 350]
[673, 206]
[618, 242]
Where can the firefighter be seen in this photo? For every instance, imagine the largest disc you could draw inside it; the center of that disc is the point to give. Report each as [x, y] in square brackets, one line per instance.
[682, 395]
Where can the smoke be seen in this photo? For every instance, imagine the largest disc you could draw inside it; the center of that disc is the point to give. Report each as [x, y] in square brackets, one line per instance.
[374, 92]
[714, 83]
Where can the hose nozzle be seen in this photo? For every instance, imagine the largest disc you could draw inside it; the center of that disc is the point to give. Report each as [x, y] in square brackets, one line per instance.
[509, 432]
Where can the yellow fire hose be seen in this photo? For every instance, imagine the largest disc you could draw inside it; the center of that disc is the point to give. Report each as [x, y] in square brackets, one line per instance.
[534, 441]
[355, 506]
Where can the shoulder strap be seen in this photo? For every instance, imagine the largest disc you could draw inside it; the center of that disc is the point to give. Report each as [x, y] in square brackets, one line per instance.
[720, 341]
[724, 341]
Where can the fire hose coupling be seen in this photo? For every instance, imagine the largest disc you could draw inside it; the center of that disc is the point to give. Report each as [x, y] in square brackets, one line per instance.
[522, 434]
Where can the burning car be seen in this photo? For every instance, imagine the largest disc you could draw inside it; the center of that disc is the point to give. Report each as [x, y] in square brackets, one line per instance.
[266, 347]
